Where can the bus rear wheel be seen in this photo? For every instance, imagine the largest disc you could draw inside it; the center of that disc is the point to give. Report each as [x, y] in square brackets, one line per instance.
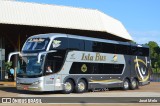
[134, 84]
[81, 86]
[125, 84]
[68, 87]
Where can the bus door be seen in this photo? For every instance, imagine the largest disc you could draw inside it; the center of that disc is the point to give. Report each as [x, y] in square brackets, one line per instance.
[49, 79]
[58, 82]
[53, 79]
[53, 64]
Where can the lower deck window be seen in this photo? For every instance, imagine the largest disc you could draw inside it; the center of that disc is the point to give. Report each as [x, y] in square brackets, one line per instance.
[96, 68]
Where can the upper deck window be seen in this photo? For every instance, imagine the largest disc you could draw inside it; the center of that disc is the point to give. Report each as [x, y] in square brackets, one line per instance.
[76, 44]
[35, 44]
[60, 43]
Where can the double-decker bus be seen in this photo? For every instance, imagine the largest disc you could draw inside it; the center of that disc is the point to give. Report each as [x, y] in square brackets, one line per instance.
[63, 62]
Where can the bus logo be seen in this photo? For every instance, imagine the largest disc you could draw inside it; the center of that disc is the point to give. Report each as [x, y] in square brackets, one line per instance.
[72, 56]
[115, 58]
[56, 43]
[84, 68]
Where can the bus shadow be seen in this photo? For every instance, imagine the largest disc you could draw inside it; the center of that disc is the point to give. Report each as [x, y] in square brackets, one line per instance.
[14, 90]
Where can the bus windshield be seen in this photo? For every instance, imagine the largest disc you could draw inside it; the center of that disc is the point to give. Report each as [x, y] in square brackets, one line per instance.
[34, 44]
[30, 67]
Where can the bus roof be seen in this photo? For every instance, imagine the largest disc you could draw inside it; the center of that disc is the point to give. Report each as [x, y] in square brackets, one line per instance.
[53, 35]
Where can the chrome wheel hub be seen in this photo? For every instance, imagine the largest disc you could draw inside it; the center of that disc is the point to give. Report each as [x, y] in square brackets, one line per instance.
[134, 84]
[126, 85]
[81, 86]
[67, 86]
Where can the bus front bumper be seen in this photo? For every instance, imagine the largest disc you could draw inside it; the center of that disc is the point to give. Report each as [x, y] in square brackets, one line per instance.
[29, 87]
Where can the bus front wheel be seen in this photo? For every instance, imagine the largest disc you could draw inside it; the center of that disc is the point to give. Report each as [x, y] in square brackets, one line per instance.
[81, 86]
[68, 86]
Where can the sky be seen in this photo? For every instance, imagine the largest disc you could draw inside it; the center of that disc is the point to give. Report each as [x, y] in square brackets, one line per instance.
[141, 18]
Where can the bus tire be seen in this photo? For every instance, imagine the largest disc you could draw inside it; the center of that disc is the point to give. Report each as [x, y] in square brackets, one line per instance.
[68, 87]
[81, 86]
[126, 84]
[134, 84]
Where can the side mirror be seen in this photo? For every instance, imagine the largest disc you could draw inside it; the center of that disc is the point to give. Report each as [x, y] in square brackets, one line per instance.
[11, 54]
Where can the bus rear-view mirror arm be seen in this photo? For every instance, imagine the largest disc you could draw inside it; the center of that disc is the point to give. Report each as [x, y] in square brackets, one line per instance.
[11, 54]
[43, 53]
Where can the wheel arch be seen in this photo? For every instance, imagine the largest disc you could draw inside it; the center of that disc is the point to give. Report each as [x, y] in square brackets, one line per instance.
[127, 79]
[136, 79]
[69, 78]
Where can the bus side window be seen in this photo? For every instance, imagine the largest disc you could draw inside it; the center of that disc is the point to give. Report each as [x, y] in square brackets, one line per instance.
[118, 68]
[112, 69]
[122, 49]
[134, 50]
[76, 44]
[88, 46]
[145, 51]
[55, 61]
[140, 51]
[48, 68]
[109, 48]
[60, 43]
[97, 47]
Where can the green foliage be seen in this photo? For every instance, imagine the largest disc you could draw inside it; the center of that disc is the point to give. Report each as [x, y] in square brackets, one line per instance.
[8, 65]
[133, 42]
[155, 56]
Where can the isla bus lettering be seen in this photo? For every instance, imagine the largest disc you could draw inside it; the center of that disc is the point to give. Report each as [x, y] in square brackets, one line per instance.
[89, 57]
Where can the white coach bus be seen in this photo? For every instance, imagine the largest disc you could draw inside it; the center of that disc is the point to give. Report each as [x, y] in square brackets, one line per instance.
[54, 62]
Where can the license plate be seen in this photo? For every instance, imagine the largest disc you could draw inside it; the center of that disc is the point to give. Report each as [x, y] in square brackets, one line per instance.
[25, 87]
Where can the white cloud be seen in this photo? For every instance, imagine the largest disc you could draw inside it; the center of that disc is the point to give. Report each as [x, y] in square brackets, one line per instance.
[143, 37]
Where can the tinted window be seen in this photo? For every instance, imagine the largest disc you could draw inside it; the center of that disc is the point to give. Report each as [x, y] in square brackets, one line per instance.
[134, 50]
[96, 68]
[59, 43]
[81, 68]
[97, 47]
[112, 69]
[140, 51]
[76, 44]
[88, 45]
[55, 61]
[108, 48]
[122, 49]
[145, 51]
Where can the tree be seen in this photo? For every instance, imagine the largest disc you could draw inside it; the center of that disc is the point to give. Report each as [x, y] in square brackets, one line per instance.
[154, 54]
[8, 66]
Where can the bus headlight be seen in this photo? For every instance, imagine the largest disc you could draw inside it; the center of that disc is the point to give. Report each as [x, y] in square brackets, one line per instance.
[37, 82]
[17, 82]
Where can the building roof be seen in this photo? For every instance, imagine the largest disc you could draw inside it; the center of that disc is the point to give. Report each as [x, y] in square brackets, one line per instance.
[23, 13]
